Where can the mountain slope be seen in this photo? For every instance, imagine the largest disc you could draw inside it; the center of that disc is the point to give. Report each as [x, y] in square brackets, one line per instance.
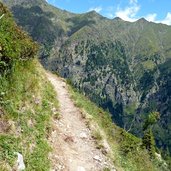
[87, 138]
[120, 65]
[26, 100]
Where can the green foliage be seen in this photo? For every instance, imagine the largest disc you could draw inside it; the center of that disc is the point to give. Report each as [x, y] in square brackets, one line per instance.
[148, 138]
[26, 99]
[129, 143]
[146, 82]
[15, 44]
[8, 146]
[96, 135]
[152, 118]
[28, 103]
[148, 142]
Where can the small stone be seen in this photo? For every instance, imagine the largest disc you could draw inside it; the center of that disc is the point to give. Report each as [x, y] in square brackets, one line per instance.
[37, 101]
[54, 132]
[105, 163]
[113, 170]
[56, 156]
[20, 162]
[54, 110]
[97, 158]
[80, 168]
[60, 167]
[83, 135]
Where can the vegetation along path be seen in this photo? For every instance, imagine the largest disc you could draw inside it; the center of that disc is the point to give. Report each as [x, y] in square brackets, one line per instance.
[73, 147]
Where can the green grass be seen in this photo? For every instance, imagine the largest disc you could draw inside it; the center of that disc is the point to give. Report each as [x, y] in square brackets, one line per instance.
[27, 100]
[148, 65]
[126, 150]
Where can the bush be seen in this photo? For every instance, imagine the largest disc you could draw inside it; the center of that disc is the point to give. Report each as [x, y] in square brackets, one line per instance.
[15, 44]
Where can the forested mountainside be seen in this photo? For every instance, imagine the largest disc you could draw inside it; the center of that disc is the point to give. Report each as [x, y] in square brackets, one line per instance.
[123, 67]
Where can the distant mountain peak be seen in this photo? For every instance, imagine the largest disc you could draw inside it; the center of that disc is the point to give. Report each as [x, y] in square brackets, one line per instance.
[93, 13]
[142, 20]
[117, 18]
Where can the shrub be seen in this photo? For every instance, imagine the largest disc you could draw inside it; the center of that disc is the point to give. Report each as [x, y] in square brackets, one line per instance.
[15, 44]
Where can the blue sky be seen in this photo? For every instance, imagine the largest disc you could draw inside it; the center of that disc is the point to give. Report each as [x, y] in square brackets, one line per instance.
[130, 10]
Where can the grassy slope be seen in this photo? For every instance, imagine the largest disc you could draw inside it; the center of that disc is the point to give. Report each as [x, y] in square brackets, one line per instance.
[126, 150]
[27, 100]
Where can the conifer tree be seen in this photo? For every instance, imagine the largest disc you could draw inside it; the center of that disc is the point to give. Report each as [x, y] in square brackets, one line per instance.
[148, 139]
[149, 142]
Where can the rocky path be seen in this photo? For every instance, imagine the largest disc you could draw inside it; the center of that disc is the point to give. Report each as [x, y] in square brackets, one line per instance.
[73, 147]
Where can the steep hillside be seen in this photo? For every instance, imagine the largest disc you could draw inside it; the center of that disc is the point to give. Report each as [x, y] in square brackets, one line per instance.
[26, 100]
[123, 67]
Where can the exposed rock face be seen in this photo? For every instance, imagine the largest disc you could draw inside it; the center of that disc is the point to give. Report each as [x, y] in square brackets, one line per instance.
[103, 72]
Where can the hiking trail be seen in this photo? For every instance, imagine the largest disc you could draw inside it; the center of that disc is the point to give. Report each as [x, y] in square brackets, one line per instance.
[73, 146]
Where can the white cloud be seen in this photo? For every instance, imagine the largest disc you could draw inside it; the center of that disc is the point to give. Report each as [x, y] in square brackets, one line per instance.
[129, 12]
[151, 17]
[97, 9]
[167, 20]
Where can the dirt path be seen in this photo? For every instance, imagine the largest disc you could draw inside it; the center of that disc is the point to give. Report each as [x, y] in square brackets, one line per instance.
[73, 147]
